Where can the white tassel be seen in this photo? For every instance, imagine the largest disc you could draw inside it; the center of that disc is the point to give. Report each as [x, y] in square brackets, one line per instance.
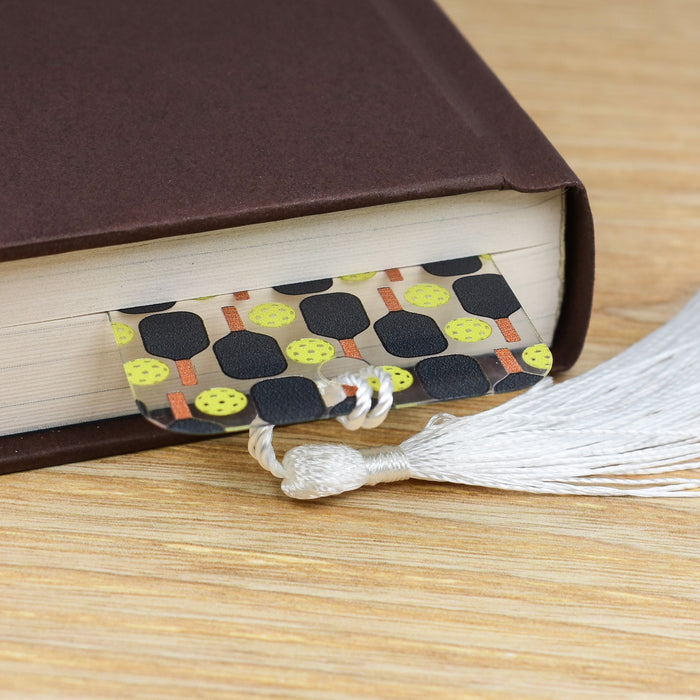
[637, 414]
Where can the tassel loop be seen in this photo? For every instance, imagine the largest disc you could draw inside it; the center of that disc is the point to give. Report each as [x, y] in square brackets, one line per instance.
[311, 471]
[362, 415]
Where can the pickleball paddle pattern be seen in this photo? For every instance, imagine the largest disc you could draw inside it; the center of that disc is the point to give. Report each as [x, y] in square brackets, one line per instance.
[444, 330]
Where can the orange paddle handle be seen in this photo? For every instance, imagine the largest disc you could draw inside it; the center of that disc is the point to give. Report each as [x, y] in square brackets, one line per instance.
[178, 405]
[233, 318]
[394, 274]
[507, 330]
[185, 369]
[389, 298]
[350, 349]
[507, 359]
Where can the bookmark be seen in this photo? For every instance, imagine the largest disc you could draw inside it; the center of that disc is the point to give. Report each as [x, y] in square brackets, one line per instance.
[272, 353]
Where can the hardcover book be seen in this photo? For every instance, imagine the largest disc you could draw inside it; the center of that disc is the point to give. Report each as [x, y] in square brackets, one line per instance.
[159, 152]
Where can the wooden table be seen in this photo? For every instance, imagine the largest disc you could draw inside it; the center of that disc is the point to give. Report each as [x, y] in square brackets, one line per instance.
[185, 572]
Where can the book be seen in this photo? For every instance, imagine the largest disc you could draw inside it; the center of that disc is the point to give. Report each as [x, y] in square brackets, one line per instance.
[154, 155]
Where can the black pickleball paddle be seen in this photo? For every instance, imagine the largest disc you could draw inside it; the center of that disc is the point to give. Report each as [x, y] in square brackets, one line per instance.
[489, 296]
[178, 336]
[287, 400]
[196, 426]
[149, 309]
[516, 382]
[337, 315]
[452, 377]
[456, 266]
[243, 354]
[407, 334]
[310, 287]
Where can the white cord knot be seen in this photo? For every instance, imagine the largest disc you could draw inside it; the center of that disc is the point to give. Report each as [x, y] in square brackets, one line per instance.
[362, 415]
[313, 471]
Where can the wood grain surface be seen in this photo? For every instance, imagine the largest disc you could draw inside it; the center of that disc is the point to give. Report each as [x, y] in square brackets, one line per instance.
[184, 573]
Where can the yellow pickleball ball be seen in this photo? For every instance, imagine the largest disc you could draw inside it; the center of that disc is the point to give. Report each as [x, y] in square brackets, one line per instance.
[146, 371]
[538, 356]
[221, 401]
[359, 277]
[310, 351]
[400, 378]
[272, 315]
[468, 330]
[123, 334]
[427, 295]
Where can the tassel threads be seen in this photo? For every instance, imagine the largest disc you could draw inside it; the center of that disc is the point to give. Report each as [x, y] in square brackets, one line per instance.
[438, 454]
[633, 416]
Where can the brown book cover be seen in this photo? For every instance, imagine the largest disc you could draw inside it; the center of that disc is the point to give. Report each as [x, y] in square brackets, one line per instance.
[131, 121]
